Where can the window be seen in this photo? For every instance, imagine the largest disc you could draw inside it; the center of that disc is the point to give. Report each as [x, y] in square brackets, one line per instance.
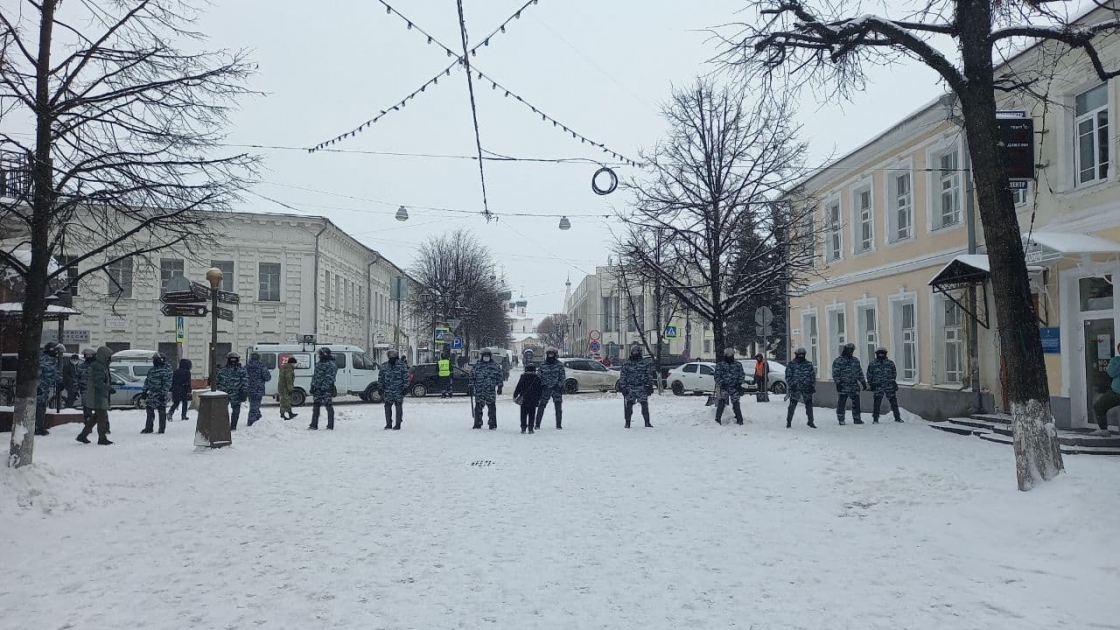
[865, 230]
[327, 297]
[269, 285]
[837, 328]
[636, 318]
[811, 236]
[868, 330]
[229, 282]
[268, 359]
[71, 273]
[169, 268]
[901, 217]
[835, 233]
[1096, 294]
[1020, 195]
[120, 279]
[707, 346]
[948, 189]
[1091, 129]
[706, 370]
[952, 326]
[809, 323]
[904, 323]
[340, 361]
[338, 292]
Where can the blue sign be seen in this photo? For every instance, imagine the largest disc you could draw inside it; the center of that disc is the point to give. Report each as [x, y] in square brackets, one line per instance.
[1051, 340]
[670, 332]
[441, 334]
[457, 343]
[594, 346]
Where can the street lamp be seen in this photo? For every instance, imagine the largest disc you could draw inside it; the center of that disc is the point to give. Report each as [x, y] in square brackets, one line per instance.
[214, 276]
[565, 224]
[402, 214]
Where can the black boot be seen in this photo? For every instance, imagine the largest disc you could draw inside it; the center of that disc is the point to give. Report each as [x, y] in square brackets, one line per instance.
[809, 413]
[539, 417]
[234, 413]
[330, 417]
[719, 411]
[162, 419]
[645, 414]
[388, 416]
[314, 426]
[789, 417]
[559, 414]
[627, 412]
[400, 416]
[856, 420]
[83, 437]
[151, 416]
[738, 412]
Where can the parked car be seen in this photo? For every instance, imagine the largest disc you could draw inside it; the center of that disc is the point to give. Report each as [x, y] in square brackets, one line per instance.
[698, 377]
[423, 380]
[133, 363]
[588, 375]
[357, 372]
[775, 380]
[127, 391]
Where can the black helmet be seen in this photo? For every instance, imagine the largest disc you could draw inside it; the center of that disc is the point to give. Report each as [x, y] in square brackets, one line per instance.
[53, 348]
[159, 359]
[849, 347]
[89, 353]
[292, 360]
[881, 350]
[530, 367]
[325, 354]
[254, 357]
[392, 354]
[800, 352]
[635, 351]
[232, 358]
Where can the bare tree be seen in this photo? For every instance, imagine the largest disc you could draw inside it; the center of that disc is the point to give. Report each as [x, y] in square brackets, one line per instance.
[457, 278]
[820, 45]
[124, 126]
[553, 331]
[716, 177]
[635, 279]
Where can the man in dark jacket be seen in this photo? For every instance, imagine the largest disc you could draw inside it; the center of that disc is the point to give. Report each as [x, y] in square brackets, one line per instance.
[49, 379]
[322, 388]
[392, 381]
[801, 379]
[486, 377]
[882, 377]
[157, 384]
[636, 384]
[97, 398]
[553, 377]
[180, 389]
[529, 390]
[258, 375]
[848, 375]
[233, 380]
[729, 378]
[70, 379]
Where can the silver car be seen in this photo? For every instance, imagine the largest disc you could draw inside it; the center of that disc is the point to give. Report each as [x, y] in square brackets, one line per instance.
[127, 391]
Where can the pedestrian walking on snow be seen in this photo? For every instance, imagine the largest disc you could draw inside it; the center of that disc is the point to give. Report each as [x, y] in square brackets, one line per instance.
[234, 381]
[729, 378]
[285, 385]
[1110, 397]
[527, 394]
[96, 397]
[258, 375]
[848, 375]
[801, 381]
[180, 389]
[392, 380]
[486, 377]
[157, 386]
[49, 379]
[322, 388]
[553, 377]
[81, 381]
[882, 378]
[636, 383]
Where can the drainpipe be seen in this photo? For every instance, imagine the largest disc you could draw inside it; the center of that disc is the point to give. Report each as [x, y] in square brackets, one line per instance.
[315, 295]
[369, 303]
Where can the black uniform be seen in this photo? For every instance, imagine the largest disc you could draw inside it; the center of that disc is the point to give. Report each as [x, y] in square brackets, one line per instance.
[529, 388]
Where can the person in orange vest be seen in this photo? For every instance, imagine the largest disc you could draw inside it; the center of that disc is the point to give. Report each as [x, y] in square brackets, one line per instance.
[761, 378]
[444, 364]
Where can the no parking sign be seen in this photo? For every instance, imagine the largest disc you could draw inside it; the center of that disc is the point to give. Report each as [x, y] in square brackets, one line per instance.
[594, 346]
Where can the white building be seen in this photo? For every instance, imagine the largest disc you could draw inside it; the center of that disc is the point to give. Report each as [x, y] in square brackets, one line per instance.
[296, 275]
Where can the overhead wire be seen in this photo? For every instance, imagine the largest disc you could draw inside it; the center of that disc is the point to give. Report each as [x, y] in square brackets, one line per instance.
[466, 60]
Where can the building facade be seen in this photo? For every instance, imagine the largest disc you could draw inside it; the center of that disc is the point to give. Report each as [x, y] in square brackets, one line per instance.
[899, 211]
[295, 275]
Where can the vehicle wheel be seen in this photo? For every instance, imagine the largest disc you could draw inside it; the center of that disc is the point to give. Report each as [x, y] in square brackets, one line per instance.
[419, 390]
[571, 386]
[298, 397]
[778, 388]
[138, 401]
[372, 394]
[678, 388]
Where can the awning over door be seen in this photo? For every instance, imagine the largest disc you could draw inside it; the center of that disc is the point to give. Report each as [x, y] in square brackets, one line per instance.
[1049, 246]
[964, 271]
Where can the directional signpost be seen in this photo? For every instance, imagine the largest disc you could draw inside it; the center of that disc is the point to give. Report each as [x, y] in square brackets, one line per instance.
[228, 297]
[225, 313]
[183, 310]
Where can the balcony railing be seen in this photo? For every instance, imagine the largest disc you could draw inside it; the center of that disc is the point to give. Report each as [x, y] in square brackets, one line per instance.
[15, 175]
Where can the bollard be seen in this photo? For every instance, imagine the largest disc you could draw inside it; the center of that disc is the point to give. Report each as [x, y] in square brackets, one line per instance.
[212, 427]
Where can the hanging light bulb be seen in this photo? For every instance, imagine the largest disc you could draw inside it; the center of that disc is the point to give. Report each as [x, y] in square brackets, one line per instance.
[565, 224]
[402, 214]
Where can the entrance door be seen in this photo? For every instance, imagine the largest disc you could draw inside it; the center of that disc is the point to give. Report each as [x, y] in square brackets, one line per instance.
[1100, 339]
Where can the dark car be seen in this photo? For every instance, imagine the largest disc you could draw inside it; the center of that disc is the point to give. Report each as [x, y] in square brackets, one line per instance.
[423, 379]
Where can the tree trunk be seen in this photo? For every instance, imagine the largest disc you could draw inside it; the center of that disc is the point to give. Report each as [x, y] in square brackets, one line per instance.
[1037, 454]
[22, 447]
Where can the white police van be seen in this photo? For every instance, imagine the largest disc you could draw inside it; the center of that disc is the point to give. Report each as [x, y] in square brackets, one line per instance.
[357, 372]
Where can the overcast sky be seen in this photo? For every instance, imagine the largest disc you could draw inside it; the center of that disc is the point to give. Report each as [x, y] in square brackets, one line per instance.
[602, 68]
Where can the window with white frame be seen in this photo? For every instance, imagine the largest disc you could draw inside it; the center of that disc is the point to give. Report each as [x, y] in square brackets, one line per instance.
[867, 321]
[810, 236]
[835, 231]
[837, 330]
[901, 217]
[1020, 195]
[120, 278]
[951, 326]
[707, 346]
[327, 297]
[948, 209]
[1090, 123]
[169, 268]
[811, 337]
[904, 323]
[865, 220]
[268, 275]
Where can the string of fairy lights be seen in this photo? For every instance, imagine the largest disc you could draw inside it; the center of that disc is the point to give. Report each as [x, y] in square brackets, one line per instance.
[463, 62]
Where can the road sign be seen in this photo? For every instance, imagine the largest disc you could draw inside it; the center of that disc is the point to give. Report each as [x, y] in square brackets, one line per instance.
[764, 331]
[179, 297]
[594, 346]
[454, 323]
[441, 334]
[763, 316]
[228, 297]
[180, 329]
[670, 332]
[183, 310]
[225, 313]
[457, 343]
[594, 335]
[201, 291]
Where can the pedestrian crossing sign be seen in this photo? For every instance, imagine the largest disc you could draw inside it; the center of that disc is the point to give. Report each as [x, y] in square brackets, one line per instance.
[670, 332]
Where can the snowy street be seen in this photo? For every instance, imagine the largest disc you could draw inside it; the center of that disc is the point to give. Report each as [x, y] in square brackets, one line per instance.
[687, 525]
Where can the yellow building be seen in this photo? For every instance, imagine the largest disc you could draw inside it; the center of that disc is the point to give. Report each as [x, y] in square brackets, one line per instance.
[896, 212]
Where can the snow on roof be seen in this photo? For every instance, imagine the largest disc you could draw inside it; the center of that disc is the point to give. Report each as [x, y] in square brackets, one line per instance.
[519, 337]
[23, 255]
[1072, 243]
[56, 309]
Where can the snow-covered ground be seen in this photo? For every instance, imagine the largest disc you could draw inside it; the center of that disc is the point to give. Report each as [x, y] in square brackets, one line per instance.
[688, 525]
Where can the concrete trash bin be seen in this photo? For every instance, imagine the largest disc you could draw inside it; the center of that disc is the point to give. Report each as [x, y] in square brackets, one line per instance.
[212, 427]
